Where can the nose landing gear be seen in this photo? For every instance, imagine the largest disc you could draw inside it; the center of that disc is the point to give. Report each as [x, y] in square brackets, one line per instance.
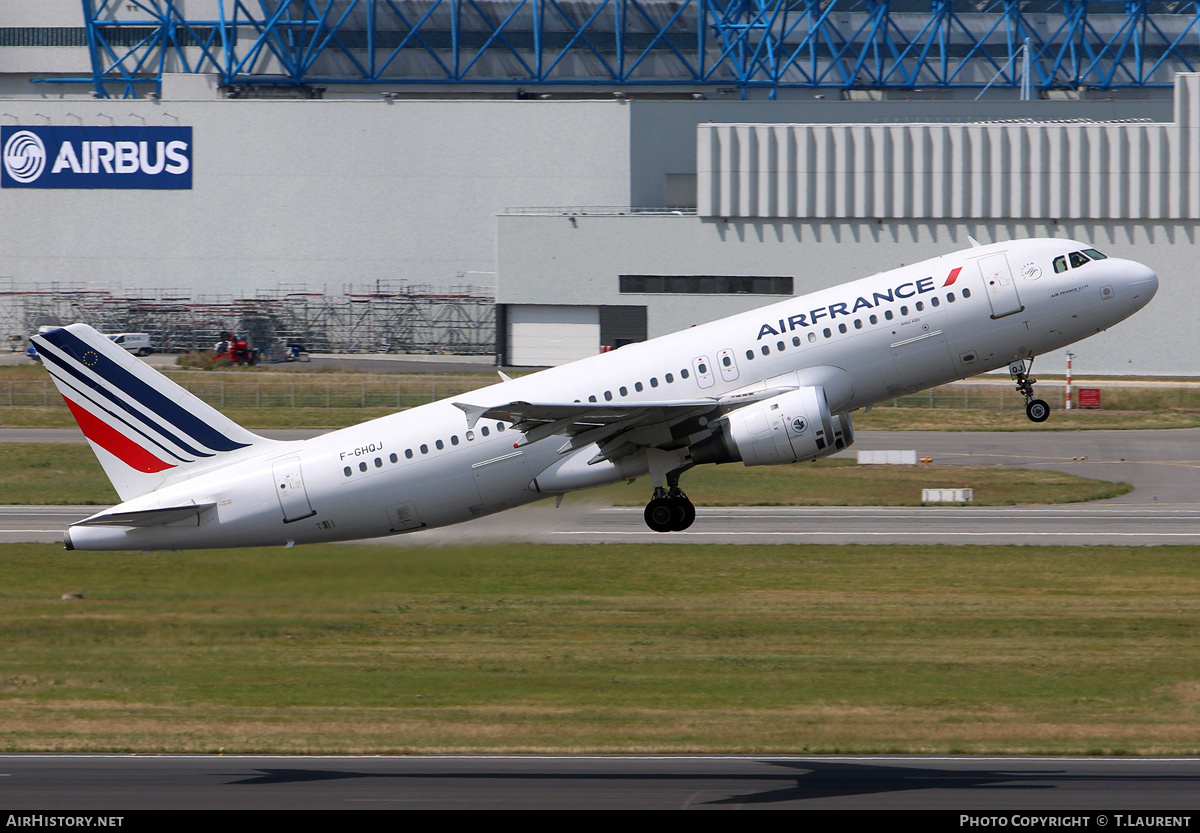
[1036, 409]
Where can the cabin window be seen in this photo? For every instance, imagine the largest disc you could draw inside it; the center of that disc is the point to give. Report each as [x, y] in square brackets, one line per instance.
[378, 463]
[347, 471]
[653, 381]
[749, 354]
[624, 391]
[874, 319]
[362, 466]
[966, 293]
[591, 399]
[454, 439]
[683, 374]
[726, 360]
[470, 436]
[779, 346]
[827, 333]
[841, 328]
[424, 448]
[440, 445]
[637, 386]
[484, 430]
[499, 426]
[933, 302]
[1060, 264]
[608, 396]
[950, 297]
[904, 309]
[812, 337]
[701, 368]
[669, 378]
[408, 453]
[795, 341]
[858, 323]
[887, 313]
[393, 458]
[766, 351]
[920, 305]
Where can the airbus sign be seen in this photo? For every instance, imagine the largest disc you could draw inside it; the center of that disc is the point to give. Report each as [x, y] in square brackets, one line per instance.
[96, 157]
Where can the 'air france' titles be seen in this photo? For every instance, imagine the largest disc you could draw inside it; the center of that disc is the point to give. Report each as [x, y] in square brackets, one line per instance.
[849, 308]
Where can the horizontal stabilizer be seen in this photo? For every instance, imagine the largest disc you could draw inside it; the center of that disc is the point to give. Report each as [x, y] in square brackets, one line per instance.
[147, 517]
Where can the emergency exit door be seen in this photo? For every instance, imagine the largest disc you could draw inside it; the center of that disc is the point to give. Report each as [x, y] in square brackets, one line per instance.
[289, 486]
[1001, 287]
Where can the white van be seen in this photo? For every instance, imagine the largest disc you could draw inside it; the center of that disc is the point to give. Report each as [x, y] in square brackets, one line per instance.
[136, 343]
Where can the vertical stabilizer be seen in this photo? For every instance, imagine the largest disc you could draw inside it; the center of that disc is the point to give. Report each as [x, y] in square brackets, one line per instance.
[146, 430]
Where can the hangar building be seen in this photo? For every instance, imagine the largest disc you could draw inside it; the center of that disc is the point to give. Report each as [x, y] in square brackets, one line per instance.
[605, 208]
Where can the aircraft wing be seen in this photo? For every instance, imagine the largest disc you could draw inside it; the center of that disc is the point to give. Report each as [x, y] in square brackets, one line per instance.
[588, 422]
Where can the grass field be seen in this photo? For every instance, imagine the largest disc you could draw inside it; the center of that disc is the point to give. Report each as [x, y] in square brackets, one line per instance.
[607, 648]
[268, 398]
[60, 473]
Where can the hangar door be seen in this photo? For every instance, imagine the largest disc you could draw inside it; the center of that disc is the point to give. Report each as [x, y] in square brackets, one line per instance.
[540, 336]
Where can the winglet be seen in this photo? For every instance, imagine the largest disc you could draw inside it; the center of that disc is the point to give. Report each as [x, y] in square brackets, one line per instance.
[473, 412]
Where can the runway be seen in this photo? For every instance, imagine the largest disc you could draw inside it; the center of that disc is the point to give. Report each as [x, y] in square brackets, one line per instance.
[1164, 508]
[1012, 786]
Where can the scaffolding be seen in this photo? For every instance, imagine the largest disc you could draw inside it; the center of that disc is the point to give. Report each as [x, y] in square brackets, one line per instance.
[387, 317]
[254, 47]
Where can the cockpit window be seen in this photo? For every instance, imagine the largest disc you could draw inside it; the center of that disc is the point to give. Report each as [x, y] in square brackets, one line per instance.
[1077, 259]
[1060, 264]
[1094, 255]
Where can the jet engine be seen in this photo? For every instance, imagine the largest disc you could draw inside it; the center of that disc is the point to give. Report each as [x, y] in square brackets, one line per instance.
[787, 428]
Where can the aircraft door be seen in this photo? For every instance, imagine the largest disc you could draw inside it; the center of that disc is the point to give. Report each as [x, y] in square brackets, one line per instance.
[727, 364]
[289, 486]
[1001, 288]
[702, 367]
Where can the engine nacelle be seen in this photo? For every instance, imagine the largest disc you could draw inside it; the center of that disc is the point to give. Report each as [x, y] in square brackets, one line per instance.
[787, 428]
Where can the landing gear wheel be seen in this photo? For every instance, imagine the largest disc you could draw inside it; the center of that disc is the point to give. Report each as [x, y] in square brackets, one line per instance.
[685, 514]
[1037, 410]
[670, 514]
[660, 514]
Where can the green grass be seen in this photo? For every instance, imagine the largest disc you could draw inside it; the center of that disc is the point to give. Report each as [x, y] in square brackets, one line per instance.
[840, 482]
[606, 648]
[299, 398]
[64, 473]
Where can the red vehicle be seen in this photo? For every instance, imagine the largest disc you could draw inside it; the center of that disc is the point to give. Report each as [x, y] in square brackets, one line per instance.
[235, 348]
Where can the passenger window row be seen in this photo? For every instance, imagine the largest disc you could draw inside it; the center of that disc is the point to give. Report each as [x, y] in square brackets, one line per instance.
[780, 346]
[423, 449]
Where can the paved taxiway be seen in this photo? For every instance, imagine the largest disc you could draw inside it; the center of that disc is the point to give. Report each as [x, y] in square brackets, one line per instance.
[1164, 508]
[963, 784]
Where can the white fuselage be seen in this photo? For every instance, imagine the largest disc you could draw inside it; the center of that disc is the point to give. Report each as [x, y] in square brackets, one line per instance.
[870, 340]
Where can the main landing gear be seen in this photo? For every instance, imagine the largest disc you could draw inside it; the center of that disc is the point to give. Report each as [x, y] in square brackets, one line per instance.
[670, 510]
[1036, 409]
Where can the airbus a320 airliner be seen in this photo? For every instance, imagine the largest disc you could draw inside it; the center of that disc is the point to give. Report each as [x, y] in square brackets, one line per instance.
[771, 386]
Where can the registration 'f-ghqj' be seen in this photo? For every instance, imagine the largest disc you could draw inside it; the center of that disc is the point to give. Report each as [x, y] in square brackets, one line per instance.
[775, 385]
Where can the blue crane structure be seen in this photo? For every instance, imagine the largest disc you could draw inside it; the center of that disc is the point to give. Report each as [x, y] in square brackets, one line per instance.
[736, 45]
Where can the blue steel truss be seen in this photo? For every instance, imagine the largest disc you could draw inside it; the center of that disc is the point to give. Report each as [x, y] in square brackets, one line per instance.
[769, 44]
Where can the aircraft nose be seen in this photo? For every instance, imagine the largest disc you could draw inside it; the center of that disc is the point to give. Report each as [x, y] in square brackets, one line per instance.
[1142, 281]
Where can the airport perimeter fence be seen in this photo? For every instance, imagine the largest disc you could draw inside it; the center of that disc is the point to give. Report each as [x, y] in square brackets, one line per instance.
[399, 392]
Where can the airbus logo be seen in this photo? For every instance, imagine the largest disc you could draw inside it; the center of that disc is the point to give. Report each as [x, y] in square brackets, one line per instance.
[24, 156]
[96, 157]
